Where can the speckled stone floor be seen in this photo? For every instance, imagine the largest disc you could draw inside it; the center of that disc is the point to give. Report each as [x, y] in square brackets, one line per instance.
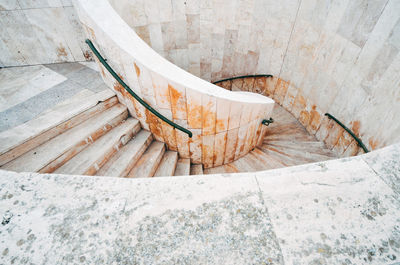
[334, 212]
[27, 91]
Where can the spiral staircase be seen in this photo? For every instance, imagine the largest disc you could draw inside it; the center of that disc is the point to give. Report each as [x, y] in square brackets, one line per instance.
[102, 139]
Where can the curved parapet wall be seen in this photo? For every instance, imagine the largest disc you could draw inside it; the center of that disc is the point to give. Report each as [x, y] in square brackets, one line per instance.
[225, 125]
[340, 57]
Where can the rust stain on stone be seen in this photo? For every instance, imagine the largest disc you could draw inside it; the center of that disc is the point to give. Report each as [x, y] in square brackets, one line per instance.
[194, 116]
[280, 90]
[315, 119]
[208, 117]
[137, 69]
[220, 125]
[178, 104]
[373, 143]
[356, 127]
[61, 52]
[304, 117]
[154, 125]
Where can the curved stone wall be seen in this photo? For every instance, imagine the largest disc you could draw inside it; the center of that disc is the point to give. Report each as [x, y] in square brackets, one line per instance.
[225, 125]
[340, 57]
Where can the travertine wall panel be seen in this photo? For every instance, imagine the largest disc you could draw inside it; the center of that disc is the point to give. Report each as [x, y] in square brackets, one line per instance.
[335, 56]
[39, 32]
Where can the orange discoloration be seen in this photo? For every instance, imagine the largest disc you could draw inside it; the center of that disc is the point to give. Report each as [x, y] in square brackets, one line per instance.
[315, 119]
[356, 127]
[208, 116]
[208, 150]
[61, 52]
[219, 148]
[193, 104]
[232, 139]
[280, 90]
[270, 86]
[169, 135]
[220, 125]
[304, 117]
[178, 103]
[137, 69]
[373, 143]
[260, 85]
[248, 84]
[154, 125]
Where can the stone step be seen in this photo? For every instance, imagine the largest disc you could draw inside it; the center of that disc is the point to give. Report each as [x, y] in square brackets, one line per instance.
[183, 167]
[124, 160]
[148, 163]
[215, 170]
[64, 116]
[93, 157]
[242, 165]
[306, 146]
[52, 154]
[269, 161]
[167, 165]
[196, 169]
[282, 158]
[301, 155]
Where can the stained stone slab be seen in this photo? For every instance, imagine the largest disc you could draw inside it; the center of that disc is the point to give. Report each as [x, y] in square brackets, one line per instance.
[343, 215]
[55, 219]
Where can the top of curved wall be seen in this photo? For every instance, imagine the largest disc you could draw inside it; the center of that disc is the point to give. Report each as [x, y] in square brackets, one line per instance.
[101, 14]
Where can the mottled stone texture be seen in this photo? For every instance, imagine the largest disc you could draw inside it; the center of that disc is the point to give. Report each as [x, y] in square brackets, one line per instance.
[334, 212]
[40, 32]
[225, 125]
[340, 57]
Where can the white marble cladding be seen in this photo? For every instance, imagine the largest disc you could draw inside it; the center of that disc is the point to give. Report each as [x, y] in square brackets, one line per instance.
[340, 57]
[225, 125]
[39, 32]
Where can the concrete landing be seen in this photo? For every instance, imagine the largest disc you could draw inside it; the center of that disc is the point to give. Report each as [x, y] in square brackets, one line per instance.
[27, 91]
[335, 212]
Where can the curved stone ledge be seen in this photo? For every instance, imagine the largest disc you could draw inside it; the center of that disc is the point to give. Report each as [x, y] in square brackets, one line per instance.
[225, 125]
[333, 212]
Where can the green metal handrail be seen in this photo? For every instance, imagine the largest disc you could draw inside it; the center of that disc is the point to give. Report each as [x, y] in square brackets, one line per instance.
[141, 101]
[241, 76]
[265, 121]
[358, 140]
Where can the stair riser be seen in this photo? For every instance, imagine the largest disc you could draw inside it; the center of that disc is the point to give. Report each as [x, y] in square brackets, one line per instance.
[66, 156]
[109, 153]
[53, 132]
[134, 160]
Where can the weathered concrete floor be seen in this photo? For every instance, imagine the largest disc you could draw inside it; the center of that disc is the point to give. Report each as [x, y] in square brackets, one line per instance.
[335, 212]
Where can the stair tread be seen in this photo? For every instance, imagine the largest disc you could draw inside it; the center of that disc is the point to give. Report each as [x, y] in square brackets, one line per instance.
[215, 170]
[242, 165]
[283, 157]
[253, 162]
[25, 137]
[270, 162]
[183, 167]
[301, 154]
[73, 140]
[88, 161]
[167, 165]
[148, 163]
[308, 147]
[123, 161]
[196, 169]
